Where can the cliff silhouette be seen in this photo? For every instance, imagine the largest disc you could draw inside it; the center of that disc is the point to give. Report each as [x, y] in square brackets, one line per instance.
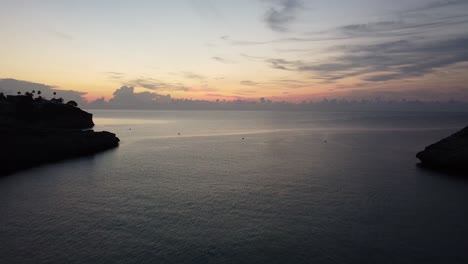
[36, 131]
[449, 154]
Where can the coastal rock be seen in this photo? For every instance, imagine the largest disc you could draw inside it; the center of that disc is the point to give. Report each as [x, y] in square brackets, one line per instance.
[449, 154]
[35, 131]
[64, 116]
[25, 148]
[23, 110]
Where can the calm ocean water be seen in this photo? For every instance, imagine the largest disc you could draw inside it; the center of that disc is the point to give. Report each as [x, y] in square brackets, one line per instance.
[243, 187]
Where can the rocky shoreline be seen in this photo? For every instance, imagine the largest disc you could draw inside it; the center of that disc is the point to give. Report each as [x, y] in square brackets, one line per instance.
[36, 131]
[449, 154]
[26, 148]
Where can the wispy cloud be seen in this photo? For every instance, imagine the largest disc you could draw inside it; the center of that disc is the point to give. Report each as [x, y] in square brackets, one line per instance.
[287, 65]
[62, 35]
[432, 18]
[279, 16]
[223, 60]
[439, 4]
[114, 75]
[230, 97]
[153, 84]
[249, 83]
[253, 58]
[394, 60]
[400, 28]
[379, 30]
[249, 93]
[290, 84]
[191, 75]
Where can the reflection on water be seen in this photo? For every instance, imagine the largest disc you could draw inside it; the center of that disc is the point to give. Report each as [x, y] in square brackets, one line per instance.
[249, 187]
[126, 121]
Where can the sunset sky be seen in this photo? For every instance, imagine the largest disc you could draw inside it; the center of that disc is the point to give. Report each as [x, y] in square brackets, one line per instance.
[279, 49]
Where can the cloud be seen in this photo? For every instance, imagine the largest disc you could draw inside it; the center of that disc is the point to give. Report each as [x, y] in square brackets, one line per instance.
[439, 4]
[115, 75]
[61, 35]
[249, 83]
[191, 75]
[246, 92]
[290, 84]
[13, 86]
[153, 84]
[223, 60]
[400, 28]
[377, 30]
[126, 97]
[386, 61]
[432, 20]
[252, 58]
[282, 14]
[282, 64]
[230, 97]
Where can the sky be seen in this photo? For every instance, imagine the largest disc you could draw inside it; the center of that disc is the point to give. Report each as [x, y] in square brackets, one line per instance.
[289, 50]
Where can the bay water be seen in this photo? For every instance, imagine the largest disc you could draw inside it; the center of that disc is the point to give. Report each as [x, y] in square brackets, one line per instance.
[243, 187]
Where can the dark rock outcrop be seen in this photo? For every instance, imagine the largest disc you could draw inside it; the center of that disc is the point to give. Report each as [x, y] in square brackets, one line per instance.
[449, 154]
[64, 116]
[25, 148]
[23, 110]
[39, 131]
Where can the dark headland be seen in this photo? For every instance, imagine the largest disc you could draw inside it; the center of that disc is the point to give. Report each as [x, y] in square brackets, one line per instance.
[449, 154]
[36, 131]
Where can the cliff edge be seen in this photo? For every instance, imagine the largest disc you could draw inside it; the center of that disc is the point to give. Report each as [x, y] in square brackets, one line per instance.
[26, 148]
[449, 154]
[38, 131]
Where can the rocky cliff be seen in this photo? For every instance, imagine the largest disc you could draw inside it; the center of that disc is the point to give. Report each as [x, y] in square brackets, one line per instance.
[35, 132]
[44, 113]
[25, 148]
[449, 154]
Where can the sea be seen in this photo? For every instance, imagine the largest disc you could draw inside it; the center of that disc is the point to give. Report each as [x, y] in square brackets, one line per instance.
[243, 187]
